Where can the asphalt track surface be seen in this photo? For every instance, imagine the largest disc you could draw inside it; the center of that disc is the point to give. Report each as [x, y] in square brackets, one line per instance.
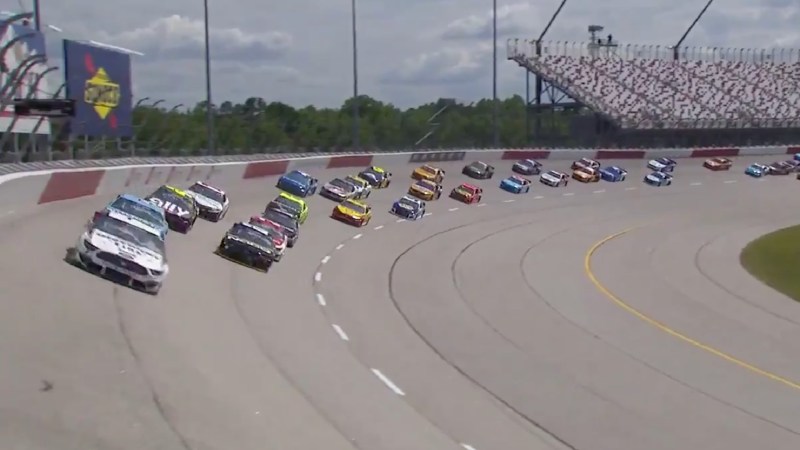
[486, 327]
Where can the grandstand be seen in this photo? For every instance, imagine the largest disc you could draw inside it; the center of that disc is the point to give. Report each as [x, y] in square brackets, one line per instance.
[652, 95]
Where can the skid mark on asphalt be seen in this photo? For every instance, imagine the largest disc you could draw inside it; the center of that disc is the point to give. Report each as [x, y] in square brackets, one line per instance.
[587, 263]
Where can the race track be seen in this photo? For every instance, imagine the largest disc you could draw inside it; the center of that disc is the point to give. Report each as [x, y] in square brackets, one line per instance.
[516, 324]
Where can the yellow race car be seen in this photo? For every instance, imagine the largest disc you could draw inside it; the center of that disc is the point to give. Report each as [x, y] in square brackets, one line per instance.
[354, 212]
[586, 175]
[428, 172]
[426, 190]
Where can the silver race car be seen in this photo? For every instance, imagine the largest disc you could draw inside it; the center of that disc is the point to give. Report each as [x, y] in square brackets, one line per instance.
[211, 201]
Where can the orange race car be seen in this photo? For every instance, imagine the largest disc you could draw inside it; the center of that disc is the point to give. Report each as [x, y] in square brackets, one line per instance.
[467, 193]
[586, 175]
[718, 164]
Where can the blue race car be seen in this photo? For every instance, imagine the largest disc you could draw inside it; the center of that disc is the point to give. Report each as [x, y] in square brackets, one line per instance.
[613, 174]
[756, 170]
[527, 167]
[797, 156]
[298, 183]
[658, 179]
[662, 165]
[408, 208]
[516, 185]
[139, 213]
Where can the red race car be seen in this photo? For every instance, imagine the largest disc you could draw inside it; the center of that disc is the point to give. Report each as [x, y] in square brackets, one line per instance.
[467, 193]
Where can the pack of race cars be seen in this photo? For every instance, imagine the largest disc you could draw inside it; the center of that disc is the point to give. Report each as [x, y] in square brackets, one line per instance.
[126, 239]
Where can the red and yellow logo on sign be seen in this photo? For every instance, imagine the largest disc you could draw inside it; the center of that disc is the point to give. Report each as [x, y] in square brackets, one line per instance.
[101, 91]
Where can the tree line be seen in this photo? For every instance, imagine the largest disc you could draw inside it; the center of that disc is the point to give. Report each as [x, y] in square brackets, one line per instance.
[256, 126]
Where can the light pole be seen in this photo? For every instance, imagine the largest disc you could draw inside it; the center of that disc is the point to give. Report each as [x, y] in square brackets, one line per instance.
[37, 15]
[356, 127]
[209, 112]
[495, 130]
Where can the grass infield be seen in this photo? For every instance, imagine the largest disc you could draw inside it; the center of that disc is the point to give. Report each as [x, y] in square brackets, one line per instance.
[775, 260]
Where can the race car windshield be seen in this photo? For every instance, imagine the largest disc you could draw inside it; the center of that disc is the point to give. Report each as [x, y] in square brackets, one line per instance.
[342, 184]
[408, 202]
[251, 235]
[467, 189]
[206, 191]
[517, 180]
[169, 196]
[428, 169]
[425, 185]
[554, 174]
[526, 163]
[137, 210]
[355, 207]
[288, 204]
[129, 233]
[297, 176]
[371, 174]
[478, 165]
[281, 219]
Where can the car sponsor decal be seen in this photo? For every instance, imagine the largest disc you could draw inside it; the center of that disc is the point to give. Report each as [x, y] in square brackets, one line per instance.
[170, 207]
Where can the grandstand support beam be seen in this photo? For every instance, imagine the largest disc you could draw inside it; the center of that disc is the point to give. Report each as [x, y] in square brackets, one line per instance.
[29, 95]
[29, 145]
[676, 49]
[538, 80]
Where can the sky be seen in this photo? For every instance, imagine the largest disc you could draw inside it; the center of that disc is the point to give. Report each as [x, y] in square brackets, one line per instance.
[410, 51]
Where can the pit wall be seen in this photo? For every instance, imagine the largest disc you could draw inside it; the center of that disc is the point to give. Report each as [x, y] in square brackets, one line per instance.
[28, 189]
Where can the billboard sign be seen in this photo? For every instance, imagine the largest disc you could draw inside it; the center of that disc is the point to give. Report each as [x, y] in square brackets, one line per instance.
[99, 80]
[33, 43]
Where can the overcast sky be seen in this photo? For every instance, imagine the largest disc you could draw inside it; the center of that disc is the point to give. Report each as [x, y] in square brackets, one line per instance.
[410, 51]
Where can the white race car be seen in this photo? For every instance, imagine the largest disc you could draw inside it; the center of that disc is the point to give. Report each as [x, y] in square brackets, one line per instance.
[554, 178]
[116, 249]
[363, 188]
[211, 201]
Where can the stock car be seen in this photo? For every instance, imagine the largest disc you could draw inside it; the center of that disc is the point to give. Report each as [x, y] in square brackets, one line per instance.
[662, 165]
[467, 193]
[613, 174]
[779, 168]
[409, 208]
[426, 190]
[718, 163]
[354, 212]
[180, 208]
[377, 177]
[527, 167]
[248, 245]
[138, 212]
[273, 230]
[211, 201]
[338, 190]
[123, 252]
[362, 186]
[586, 175]
[516, 185]
[554, 178]
[796, 157]
[756, 170]
[298, 183]
[794, 164]
[479, 170]
[658, 179]
[585, 163]
[288, 224]
[428, 172]
[296, 206]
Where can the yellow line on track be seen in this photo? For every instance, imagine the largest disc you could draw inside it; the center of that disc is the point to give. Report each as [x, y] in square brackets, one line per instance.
[587, 267]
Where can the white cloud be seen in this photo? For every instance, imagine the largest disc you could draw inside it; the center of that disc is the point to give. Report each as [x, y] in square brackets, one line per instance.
[449, 65]
[511, 20]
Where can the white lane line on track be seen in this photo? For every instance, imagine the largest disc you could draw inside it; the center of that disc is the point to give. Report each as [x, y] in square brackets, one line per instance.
[340, 246]
[730, 181]
[401, 220]
[326, 259]
[695, 184]
[510, 200]
[538, 197]
[378, 227]
[318, 277]
[453, 209]
[481, 204]
[630, 188]
[468, 447]
[321, 300]
[599, 191]
[568, 194]
[340, 332]
[358, 236]
[428, 214]
[388, 382]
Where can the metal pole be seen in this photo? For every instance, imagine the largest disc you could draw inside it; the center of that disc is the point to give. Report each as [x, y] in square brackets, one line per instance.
[356, 125]
[496, 139]
[37, 15]
[209, 110]
[7, 47]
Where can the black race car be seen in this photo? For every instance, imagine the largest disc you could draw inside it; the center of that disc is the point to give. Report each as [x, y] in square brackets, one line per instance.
[527, 167]
[180, 208]
[479, 170]
[779, 168]
[376, 177]
[289, 225]
[248, 245]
